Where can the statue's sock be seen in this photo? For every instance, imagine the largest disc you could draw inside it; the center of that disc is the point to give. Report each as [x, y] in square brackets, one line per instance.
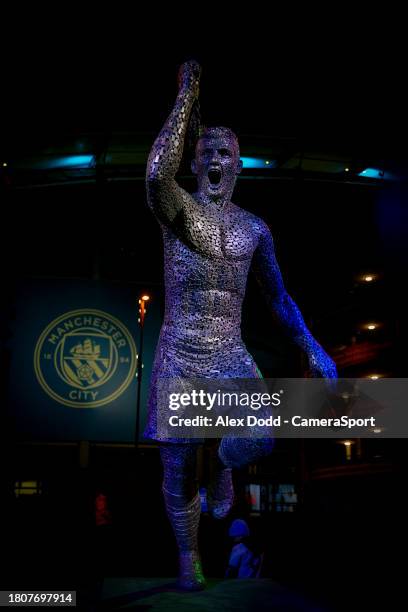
[184, 518]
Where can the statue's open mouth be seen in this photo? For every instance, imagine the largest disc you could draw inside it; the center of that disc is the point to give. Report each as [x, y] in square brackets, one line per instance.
[214, 176]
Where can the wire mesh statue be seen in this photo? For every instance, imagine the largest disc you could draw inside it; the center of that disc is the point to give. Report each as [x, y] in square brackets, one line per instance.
[210, 244]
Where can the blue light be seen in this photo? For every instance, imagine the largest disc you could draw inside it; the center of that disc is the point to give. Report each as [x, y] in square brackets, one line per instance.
[73, 161]
[375, 173]
[255, 162]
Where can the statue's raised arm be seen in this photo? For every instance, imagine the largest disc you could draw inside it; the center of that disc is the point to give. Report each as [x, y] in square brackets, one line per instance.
[165, 197]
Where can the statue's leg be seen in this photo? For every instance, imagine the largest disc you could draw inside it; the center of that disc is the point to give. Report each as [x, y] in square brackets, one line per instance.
[232, 453]
[180, 490]
[220, 493]
[237, 452]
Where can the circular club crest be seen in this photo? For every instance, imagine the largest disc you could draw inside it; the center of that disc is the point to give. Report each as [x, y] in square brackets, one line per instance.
[85, 358]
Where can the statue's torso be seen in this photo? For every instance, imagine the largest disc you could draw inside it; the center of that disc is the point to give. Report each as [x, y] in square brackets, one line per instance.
[206, 269]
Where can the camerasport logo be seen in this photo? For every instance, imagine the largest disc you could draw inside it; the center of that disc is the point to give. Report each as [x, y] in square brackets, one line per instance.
[85, 358]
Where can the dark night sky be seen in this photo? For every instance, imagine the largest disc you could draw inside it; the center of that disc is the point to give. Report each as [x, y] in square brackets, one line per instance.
[264, 76]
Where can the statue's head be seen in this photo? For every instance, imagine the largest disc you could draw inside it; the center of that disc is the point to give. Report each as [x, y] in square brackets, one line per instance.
[217, 163]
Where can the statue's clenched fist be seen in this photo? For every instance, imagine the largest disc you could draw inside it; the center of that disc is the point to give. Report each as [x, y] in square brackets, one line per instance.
[189, 77]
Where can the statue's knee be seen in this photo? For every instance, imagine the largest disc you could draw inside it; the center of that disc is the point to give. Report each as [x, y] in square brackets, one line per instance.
[237, 452]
